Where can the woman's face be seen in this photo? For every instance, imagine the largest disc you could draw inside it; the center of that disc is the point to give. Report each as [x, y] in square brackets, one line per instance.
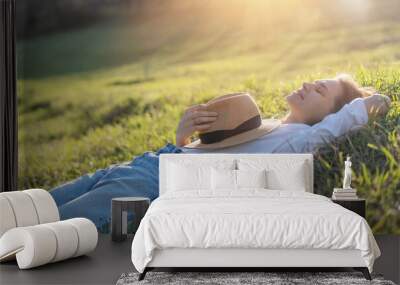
[314, 101]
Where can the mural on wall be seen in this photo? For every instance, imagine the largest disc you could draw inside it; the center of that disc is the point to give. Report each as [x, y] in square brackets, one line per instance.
[100, 82]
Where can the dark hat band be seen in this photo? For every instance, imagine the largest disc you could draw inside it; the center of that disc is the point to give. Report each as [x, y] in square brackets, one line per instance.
[220, 135]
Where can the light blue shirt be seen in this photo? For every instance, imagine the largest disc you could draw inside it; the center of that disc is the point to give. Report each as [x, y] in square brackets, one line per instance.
[302, 138]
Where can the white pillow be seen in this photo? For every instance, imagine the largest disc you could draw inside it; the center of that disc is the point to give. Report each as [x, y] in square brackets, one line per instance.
[190, 175]
[295, 181]
[223, 179]
[182, 177]
[228, 179]
[281, 174]
[251, 178]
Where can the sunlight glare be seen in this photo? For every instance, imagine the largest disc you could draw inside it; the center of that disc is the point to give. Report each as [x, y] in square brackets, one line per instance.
[357, 8]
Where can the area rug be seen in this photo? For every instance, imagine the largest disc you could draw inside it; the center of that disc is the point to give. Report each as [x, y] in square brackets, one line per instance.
[231, 278]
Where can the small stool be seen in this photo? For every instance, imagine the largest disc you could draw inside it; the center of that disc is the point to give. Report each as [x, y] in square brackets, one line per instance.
[119, 215]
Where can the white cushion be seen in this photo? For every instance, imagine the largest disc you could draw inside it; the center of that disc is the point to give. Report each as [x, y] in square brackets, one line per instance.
[24, 211]
[40, 244]
[188, 177]
[7, 219]
[66, 237]
[87, 233]
[31, 246]
[223, 179]
[26, 208]
[251, 178]
[231, 180]
[282, 174]
[295, 181]
[45, 205]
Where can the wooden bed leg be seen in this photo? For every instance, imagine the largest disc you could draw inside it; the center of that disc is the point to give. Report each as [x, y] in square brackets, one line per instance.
[364, 271]
[143, 274]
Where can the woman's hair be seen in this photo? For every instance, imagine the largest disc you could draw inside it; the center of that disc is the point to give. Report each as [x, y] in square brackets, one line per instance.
[351, 90]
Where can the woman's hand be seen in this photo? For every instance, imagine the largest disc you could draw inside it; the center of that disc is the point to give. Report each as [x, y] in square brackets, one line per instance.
[377, 104]
[195, 118]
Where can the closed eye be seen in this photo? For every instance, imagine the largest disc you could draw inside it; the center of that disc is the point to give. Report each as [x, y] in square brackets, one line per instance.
[321, 88]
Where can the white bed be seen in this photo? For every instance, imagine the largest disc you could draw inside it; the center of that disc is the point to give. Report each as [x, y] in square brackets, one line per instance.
[201, 220]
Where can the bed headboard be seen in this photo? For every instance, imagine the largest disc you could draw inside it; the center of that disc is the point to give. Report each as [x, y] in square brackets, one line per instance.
[286, 165]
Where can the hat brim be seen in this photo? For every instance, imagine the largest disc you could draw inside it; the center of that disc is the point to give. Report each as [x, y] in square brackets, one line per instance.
[267, 126]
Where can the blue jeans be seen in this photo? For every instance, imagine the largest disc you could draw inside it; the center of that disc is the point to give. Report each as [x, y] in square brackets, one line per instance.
[90, 195]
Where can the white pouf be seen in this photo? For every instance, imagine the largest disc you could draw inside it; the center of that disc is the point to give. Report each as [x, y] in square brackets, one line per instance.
[31, 230]
[40, 244]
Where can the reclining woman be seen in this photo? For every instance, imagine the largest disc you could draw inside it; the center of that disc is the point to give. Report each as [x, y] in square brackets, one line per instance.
[320, 112]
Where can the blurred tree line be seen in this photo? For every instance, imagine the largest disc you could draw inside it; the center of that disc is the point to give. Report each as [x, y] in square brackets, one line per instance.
[38, 17]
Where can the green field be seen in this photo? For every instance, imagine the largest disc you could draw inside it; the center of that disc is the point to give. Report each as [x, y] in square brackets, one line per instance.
[103, 94]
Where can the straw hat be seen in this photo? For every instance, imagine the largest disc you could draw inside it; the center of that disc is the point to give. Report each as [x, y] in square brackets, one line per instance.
[239, 121]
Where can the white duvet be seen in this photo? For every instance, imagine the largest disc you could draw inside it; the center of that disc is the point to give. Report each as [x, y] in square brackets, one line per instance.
[251, 219]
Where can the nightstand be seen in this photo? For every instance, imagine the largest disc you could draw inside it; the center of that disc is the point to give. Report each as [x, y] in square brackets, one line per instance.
[356, 205]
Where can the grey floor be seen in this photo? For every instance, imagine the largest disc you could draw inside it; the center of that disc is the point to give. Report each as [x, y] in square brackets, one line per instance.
[102, 266]
[110, 260]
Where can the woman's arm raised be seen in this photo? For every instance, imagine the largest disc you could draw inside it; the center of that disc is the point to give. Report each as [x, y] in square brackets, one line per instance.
[351, 117]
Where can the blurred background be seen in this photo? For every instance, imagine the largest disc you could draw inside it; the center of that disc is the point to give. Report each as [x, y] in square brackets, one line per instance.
[101, 81]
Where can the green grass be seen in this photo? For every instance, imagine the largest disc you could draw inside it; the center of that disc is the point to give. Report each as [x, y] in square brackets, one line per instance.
[102, 95]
